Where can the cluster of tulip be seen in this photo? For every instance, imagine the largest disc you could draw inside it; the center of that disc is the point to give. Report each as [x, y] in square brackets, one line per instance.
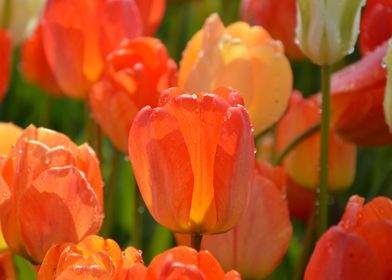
[191, 133]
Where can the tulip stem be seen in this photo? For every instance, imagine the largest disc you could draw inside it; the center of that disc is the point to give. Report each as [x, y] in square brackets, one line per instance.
[137, 218]
[310, 131]
[111, 194]
[196, 241]
[324, 147]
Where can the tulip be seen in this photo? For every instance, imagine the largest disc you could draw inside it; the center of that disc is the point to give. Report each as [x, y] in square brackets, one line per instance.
[185, 263]
[5, 54]
[359, 246]
[51, 193]
[302, 163]
[19, 17]
[357, 101]
[279, 18]
[35, 65]
[86, 32]
[245, 58]
[7, 270]
[135, 76]
[327, 29]
[256, 245]
[151, 12]
[376, 24]
[92, 258]
[193, 157]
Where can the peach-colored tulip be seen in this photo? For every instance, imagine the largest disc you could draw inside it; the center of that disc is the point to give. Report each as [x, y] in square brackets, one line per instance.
[5, 65]
[185, 263]
[245, 58]
[256, 245]
[92, 258]
[193, 159]
[135, 75]
[51, 193]
[302, 164]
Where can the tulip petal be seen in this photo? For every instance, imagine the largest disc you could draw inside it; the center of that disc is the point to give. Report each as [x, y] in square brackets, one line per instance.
[5, 65]
[9, 134]
[78, 219]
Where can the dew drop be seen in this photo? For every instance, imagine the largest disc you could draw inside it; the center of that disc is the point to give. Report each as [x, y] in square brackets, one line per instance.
[194, 96]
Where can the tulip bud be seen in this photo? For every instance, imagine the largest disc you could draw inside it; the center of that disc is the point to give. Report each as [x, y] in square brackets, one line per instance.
[327, 29]
[19, 17]
[388, 88]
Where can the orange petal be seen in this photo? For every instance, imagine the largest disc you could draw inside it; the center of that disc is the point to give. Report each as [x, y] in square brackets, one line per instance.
[5, 65]
[151, 14]
[9, 133]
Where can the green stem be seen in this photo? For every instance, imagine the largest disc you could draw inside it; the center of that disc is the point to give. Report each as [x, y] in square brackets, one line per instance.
[323, 187]
[137, 218]
[6, 14]
[306, 249]
[310, 131]
[196, 241]
[111, 194]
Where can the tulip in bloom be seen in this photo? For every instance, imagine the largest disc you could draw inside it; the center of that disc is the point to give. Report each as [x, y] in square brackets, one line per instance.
[51, 193]
[359, 246]
[328, 29]
[245, 58]
[134, 77]
[7, 270]
[302, 164]
[279, 18]
[256, 245]
[5, 54]
[20, 16]
[91, 258]
[151, 12]
[193, 157]
[357, 101]
[376, 24]
[185, 263]
[85, 31]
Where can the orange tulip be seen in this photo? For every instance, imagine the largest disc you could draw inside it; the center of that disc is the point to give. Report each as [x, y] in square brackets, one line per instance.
[185, 263]
[151, 12]
[91, 258]
[359, 246]
[35, 66]
[256, 245]
[279, 18]
[7, 270]
[245, 58]
[193, 157]
[376, 24]
[5, 54]
[302, 164]
[135, 76]
[301, 200]
[357, 101]
[85, 32]
[51, 193]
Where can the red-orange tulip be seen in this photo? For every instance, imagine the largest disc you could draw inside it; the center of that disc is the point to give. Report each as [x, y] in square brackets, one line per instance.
[5, 54]
[51, 193]
[376, 24]
[7, 270]
[359, 247]
[151, 12]
[193, 158]
[278, 17]
[185, 263]
[85, 32]
[255, 246]
[91, 258]
[135, 76]
[357, 101]
[302, 164]
[35, 66]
